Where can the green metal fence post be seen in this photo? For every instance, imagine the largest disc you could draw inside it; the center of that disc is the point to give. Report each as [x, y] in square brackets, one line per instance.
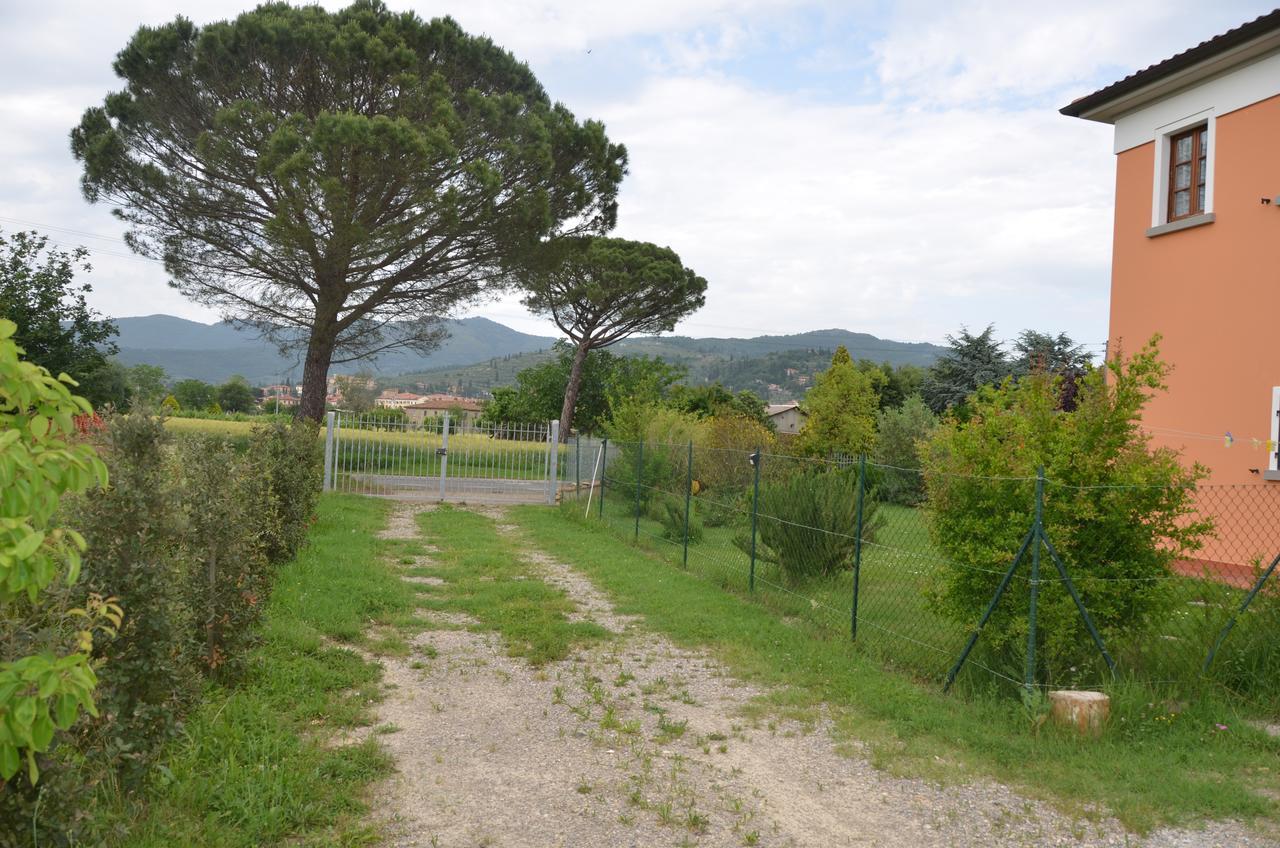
[1253, 593]
[991, 608]
[755, 512]
[1029, 676]
[688, 502]
[604, 464]
[639, 481]
[1075, 596]
[857, 546]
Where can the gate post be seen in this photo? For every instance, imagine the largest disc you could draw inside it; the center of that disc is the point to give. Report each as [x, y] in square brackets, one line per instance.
[755, 512]
[604, 465]
[688, 502]
[639, 481]
[553, 460]
[857, 545]
[444, 454]
[327, 486]
[1029, 674]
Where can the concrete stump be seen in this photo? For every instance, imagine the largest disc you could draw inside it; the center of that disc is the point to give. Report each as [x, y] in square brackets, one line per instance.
[1086, 712]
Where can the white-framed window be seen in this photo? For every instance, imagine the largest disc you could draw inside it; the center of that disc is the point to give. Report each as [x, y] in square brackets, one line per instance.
[1273, 455]
[1183, 180]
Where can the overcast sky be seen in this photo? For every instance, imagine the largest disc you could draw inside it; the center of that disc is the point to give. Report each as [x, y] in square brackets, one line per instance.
[894, 168]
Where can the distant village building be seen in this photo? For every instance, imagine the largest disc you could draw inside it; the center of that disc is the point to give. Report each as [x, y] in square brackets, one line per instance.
[396, 400]
[787, 418]
[461, 410]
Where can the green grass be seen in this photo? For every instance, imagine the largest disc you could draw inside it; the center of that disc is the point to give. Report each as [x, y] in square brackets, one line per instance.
[1148, 769]
[899, 626]
[259, 763]
[486, 579]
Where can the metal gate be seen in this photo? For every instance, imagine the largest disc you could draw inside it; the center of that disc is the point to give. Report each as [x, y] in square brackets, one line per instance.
[440, 459]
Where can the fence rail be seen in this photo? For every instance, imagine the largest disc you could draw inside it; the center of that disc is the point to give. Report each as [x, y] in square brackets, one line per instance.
[443, 459]
[1043, 593]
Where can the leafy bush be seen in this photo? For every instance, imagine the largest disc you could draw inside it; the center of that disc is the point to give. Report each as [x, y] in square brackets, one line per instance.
[43, 691]
[672, 519]
[841, 409]
[807, 523]
[288, 467]
[721, 466]
[662, 464]
[225, 536]
[1118, 511]
[137, 550]
[899, 434]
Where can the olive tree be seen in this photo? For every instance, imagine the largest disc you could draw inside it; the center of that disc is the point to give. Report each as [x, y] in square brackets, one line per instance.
[600, 290]
[339, 180]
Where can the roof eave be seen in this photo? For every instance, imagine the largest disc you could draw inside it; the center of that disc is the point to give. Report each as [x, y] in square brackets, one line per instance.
[1108, 109]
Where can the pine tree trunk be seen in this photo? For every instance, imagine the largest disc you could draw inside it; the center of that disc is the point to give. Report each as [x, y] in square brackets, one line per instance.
[571, 391]
[315, 372]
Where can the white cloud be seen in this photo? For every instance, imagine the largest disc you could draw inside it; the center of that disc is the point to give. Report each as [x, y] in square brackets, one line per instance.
[986, 50]
[941, 188]
[895, 221]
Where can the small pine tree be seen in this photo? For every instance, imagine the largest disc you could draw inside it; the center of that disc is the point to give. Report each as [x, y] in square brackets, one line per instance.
[841, 409]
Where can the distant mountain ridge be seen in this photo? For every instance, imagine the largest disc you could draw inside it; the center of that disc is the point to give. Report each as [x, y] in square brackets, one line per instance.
[481, 354]
[213, 352]
[777, 368]
[859, 345]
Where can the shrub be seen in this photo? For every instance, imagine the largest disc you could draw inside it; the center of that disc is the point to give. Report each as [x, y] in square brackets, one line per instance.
[807, 523]
[46, 679]
[672, 520]
[663, 467]
[137, 550]
[288, 461]
[1118, 511]
[722, 466]
[225, 537]
[899, 434]
[841, 409]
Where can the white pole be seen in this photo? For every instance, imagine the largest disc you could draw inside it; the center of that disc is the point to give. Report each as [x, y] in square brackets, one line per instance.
[592, 490]
[328, 452]
[553, 460]
[444, 455]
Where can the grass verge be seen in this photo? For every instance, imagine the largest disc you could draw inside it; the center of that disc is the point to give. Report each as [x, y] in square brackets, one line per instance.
[261, 763]
[486, 579]
[1159, 763]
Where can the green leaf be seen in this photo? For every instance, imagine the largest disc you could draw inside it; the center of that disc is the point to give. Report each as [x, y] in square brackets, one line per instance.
[66, 709]
[9, 760]
[42, 732]
[28, 545]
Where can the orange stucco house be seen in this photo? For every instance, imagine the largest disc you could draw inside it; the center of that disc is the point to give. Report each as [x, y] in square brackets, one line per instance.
[1196, 257]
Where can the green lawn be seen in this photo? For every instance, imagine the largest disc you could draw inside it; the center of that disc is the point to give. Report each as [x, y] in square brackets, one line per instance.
[256, 766]
[1160, 761]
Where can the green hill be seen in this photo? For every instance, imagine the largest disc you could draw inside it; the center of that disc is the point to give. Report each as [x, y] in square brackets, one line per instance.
[778, 368]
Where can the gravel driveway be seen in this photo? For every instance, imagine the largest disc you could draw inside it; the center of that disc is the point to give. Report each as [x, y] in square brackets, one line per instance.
[636, 742]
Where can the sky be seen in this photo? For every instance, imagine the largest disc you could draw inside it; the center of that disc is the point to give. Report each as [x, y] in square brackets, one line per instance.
[898, 168]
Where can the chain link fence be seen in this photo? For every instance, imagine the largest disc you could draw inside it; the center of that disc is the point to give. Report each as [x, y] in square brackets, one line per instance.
[1037, 585]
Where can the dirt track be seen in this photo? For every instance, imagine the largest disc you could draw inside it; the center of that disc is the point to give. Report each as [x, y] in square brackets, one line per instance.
[639, 743]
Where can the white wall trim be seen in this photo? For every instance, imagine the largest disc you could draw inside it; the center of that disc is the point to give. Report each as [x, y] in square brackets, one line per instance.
[1275, 429]
[1160, 184]
[1236, 88]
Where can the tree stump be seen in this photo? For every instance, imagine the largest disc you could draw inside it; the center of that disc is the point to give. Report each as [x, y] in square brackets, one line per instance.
[1086, 712]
